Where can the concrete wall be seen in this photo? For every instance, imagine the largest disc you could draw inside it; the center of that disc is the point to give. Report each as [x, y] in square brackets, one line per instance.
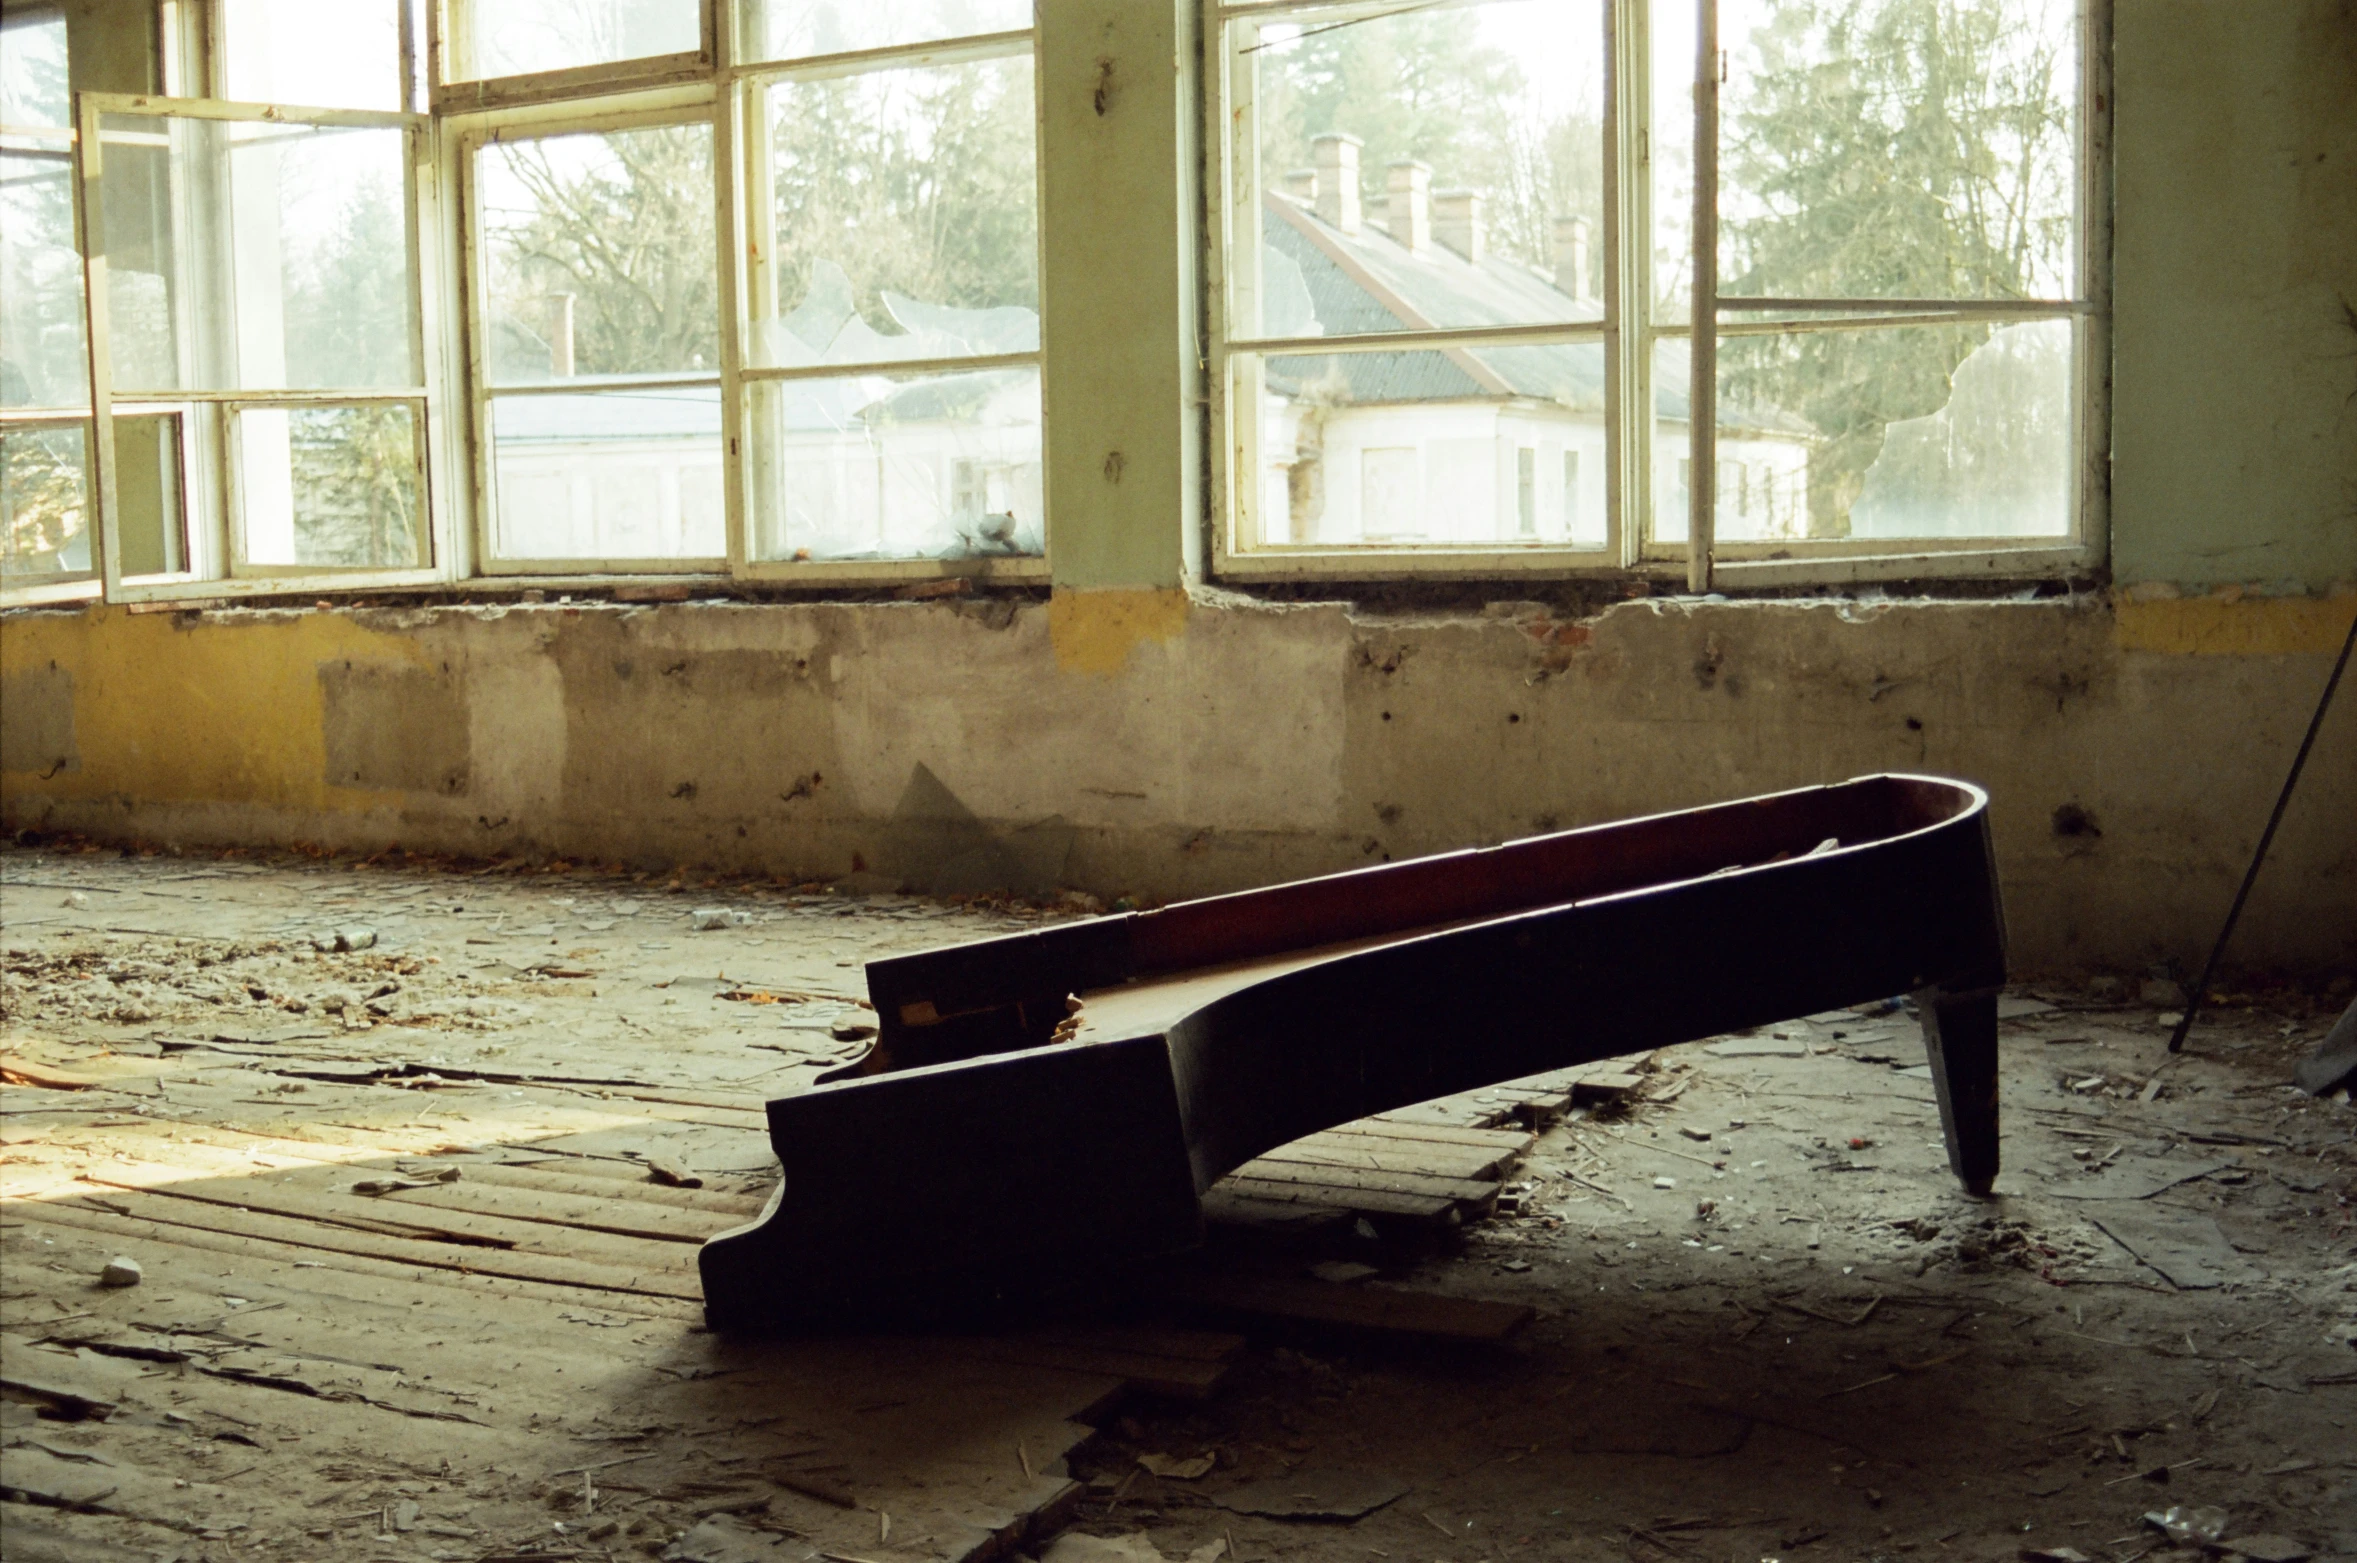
[2234, 417]
[1132, 735]
[2133, 753]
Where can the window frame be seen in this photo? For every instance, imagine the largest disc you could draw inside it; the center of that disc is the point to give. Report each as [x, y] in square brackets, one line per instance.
[59, 142]
[213, 527]
[742, 87]
[467, 136]
[1631, 330]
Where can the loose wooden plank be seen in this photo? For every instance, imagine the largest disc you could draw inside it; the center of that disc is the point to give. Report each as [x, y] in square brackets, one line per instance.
[1375, 1309]
[498, 1290]
[1355, 1181]
[1516, 1141]
[207, 1216]
[1428, 1159]
[323, 1196]
[557, 1176]
[1224, 1207]
[1372, 1202]
[474, 1194]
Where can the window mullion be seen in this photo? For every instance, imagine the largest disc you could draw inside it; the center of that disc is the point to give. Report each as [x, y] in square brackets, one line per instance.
[728, 125]
[90, 226]
[1702, 442]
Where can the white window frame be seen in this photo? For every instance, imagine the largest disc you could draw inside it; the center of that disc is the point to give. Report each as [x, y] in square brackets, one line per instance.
[1629, 332]
[746, 241]
[71, 585]
[211, 499]
[468, 135]
[676, 90]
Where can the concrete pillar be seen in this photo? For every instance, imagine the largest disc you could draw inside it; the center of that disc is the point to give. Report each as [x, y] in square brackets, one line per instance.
[1119, 220]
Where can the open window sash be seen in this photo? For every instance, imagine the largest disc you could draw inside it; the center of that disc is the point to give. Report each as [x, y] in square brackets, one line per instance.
[265, 302]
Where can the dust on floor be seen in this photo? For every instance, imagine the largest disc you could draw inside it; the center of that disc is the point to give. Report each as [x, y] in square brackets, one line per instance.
[1769, 1323]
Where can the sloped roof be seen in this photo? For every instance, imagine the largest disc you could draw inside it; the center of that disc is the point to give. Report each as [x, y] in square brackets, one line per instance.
[1351, 284]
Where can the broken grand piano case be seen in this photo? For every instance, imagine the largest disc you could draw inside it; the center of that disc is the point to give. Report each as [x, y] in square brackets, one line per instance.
[972, 1151]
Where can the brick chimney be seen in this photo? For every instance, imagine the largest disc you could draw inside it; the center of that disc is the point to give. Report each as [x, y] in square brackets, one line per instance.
[1408, 214]
[1302, 185]
[1456, 221]
[1571, 258]
[1338, 179]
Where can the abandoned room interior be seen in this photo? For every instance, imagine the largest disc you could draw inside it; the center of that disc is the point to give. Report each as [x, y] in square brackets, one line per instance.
[1178, 781]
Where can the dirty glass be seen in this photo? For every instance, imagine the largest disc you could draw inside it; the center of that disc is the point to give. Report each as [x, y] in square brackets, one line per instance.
[906, 217]
[520, 37]
[1898, 148]
[44, 502]
[256, 256]
[600, 254]
[330, 486]
[344, 56]
[792, 29]
[1426, 166]
[632, 473]
[877, 466]
[1476, 447]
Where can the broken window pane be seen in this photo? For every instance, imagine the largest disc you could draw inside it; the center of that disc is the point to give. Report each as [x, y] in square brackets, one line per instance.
[906, 217]
[793, 29]
[1935, 431]
[608, 475]
[330, 486]
[519, 37]
[345, 56]
[566, 298]
[255, 255]
[936, 466]
[1898, 148]
[1427, 166]
[1435, 448]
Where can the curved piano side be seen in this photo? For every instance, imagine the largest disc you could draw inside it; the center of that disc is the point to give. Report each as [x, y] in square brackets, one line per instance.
[1220, 1029]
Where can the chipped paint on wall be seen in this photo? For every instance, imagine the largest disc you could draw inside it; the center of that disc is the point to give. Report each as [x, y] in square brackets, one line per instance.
[2226, 624]
[1095, 631]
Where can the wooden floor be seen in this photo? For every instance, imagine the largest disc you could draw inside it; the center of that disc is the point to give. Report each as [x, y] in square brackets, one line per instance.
[369, 1286]
[413, 1286]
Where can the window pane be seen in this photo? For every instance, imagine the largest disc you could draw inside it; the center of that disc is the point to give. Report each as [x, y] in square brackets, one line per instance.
[518, 37]
[330, 486]
[907, 218]
[1432, 448]
[33, 88]
[150, 524]
[1900, 432]
[622, 475]
[344, 56]
[601, 253]
[1898, 149]
[1431, 166]
[293, 271]
[1670, 41]
[790, 29]
[44, 499]
[42, 361]
[943, 466]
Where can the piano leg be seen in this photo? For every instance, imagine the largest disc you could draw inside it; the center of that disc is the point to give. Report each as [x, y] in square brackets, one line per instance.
[1960, 1035]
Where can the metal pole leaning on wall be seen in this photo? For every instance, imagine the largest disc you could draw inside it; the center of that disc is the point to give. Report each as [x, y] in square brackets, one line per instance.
[2193, 1000]
[1702, 403]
